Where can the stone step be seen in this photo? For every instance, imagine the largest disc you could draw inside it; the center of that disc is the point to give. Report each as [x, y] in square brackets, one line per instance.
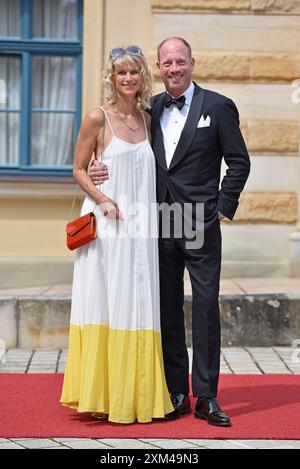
[254, 312]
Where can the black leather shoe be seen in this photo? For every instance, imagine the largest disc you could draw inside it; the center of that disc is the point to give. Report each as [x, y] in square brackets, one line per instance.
[209, 409]
[182, 405]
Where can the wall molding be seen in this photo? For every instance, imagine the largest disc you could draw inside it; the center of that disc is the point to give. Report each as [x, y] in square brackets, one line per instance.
[267, 207]
[280, 7]
[251, 67]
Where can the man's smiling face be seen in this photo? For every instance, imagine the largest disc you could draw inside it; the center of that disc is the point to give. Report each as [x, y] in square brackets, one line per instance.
[175, 66]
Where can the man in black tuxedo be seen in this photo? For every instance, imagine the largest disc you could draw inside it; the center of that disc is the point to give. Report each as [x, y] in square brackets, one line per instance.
[192, 130]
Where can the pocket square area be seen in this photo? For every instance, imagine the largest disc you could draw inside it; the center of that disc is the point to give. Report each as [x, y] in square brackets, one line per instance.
[204, 122]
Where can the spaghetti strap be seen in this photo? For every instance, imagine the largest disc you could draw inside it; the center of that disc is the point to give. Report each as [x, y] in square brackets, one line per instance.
[105, 113]
[146, 131]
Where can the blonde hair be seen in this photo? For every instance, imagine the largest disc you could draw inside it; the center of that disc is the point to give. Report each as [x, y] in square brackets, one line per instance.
[143, 96]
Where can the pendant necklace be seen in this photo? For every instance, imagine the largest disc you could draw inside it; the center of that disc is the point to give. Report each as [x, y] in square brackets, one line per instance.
[123, 120]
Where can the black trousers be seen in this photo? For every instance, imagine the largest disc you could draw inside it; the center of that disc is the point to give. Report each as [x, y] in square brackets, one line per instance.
[204, 266]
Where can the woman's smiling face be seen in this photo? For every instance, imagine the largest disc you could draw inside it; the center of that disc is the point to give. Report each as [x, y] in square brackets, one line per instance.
[128, 79]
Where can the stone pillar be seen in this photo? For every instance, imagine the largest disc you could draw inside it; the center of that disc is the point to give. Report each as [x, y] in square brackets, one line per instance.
[93, 53]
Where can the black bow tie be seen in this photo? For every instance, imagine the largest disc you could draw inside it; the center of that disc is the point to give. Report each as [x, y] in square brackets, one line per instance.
[178, 102]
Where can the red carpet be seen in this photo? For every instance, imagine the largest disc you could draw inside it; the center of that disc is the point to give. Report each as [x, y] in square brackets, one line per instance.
[260, 406]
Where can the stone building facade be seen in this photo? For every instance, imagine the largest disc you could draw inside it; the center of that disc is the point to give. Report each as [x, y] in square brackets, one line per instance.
[245, 49]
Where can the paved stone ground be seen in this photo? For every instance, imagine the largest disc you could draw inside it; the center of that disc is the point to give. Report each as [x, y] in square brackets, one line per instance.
[248, 360]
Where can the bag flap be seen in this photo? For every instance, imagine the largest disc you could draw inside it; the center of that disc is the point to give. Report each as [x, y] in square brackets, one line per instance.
[76, 225]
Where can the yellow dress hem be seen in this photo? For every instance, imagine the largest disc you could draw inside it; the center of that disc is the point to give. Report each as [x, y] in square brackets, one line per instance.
[116, 372]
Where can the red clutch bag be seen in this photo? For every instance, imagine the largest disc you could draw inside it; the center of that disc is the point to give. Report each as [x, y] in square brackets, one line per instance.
[81, 231]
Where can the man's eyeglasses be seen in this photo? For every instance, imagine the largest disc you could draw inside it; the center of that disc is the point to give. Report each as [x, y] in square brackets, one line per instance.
[119, 51]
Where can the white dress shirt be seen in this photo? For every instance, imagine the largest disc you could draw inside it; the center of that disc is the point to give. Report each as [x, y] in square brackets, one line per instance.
[172, 122]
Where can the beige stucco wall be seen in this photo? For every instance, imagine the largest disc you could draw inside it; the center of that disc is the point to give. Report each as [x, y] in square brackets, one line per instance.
[247, 50]
[108, 24]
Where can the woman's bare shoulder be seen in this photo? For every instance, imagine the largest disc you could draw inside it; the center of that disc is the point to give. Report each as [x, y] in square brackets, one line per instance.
[95, 117]
[92, 122]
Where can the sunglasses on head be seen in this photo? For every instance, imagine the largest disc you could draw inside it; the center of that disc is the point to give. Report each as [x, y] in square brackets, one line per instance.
[119, 51]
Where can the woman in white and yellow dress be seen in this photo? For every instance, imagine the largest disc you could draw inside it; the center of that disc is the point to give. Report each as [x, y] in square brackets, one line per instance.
[115, 367]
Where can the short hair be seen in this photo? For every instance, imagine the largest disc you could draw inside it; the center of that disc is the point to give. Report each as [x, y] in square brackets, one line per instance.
[143, 96]
[187, 45]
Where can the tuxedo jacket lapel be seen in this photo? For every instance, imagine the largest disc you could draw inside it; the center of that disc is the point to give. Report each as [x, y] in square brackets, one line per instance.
[190, 127]
[158, 139]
